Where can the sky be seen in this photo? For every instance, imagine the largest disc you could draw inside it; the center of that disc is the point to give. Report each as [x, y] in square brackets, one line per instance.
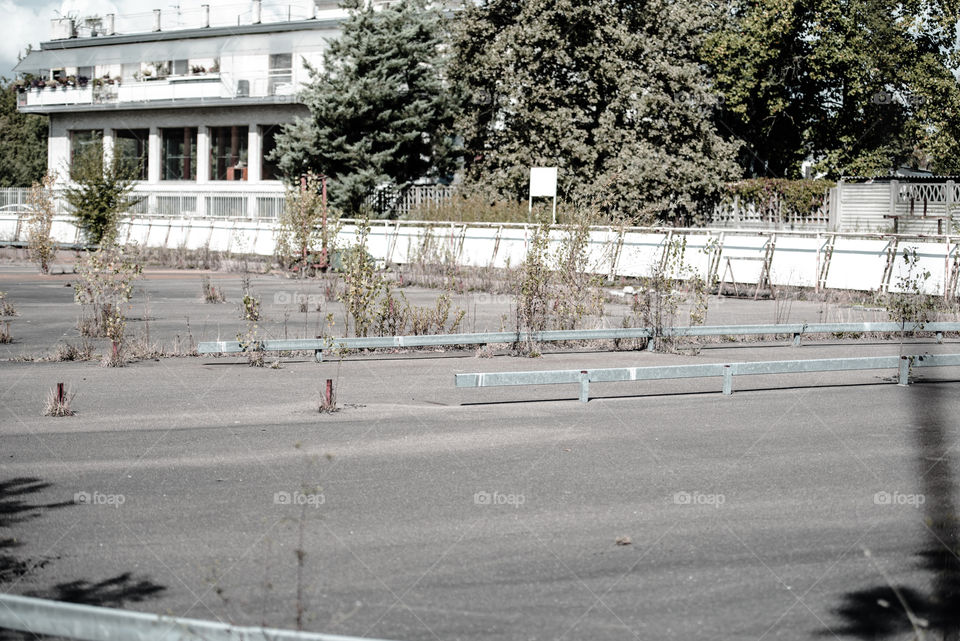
[29, 20]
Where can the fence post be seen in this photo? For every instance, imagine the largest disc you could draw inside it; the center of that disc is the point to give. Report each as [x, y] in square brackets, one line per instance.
[727, 380]
[904, 371]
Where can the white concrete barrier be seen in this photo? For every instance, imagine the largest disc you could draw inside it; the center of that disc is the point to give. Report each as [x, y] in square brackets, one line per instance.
[865, 262]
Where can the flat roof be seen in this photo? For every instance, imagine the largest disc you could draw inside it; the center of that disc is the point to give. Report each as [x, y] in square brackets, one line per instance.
[186, 34]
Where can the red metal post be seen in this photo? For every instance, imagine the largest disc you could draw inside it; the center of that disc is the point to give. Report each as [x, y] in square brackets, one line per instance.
[329, 392]
[61, 395]
[323, 209]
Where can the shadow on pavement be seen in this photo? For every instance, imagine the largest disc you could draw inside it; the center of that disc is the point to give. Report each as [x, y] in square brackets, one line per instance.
[16, 508]
[887, 610]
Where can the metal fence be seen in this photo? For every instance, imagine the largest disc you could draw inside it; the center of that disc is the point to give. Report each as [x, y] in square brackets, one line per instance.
[584, 377]
[209, 204]
[93, 623]
[795, 330]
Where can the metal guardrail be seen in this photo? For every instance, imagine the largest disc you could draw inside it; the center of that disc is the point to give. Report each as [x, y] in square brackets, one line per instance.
[727, 370]
[797, 330]
[94, 623]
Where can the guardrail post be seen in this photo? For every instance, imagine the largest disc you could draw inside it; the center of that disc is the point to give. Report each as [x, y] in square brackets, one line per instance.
[904, 371]
[796, 339]
[318, 355]
[652, 344]
[727, 380]
[584, 386]
[939, 337]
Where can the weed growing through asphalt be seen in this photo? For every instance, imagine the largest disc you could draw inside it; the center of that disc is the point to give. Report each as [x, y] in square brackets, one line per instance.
[362, 282]
[577, 292]
[211, 293]
[7, 310]
[115, 329]
[6, 307]
[41, 248]
[249, 304]
[532, 291]
[58, 405]
[103, 287]
[67, 351]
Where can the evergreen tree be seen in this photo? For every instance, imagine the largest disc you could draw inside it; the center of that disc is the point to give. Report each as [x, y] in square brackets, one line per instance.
[380, 114]
[610, 92]
[23, 142]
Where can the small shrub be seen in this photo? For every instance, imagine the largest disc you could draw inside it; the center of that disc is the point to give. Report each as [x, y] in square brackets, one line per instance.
[249, 304]
[362, 282]
[40, 246]
[57, 404]
[104, 284]
[251, 344]
[532, 289]
[69, 352]
[6, 307]
[5, 335]
[302, 239]
[211, 294]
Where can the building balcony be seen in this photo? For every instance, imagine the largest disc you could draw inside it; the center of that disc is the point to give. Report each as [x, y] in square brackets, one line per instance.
[183, 91]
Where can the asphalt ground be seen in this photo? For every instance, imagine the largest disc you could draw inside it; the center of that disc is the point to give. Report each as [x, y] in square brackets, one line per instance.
[430, 512]
[167, 308]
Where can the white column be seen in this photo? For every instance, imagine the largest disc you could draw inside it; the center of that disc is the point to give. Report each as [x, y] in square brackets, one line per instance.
[153, 156]
[107, 146]
[254, 155]
[203, 155]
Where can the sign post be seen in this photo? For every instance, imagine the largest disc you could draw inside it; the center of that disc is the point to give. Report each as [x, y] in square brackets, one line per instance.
[543, 184]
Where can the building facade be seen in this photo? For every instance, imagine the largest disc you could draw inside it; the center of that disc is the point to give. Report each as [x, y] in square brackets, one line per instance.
[194, 108]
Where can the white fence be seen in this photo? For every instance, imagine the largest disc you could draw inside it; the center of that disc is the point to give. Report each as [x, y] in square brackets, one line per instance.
[822, 260]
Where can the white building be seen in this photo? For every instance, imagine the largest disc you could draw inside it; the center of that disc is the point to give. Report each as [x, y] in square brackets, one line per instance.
[194, 102]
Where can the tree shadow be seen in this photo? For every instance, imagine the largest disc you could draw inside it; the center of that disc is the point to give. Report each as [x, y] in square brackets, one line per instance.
[879, 612]
[114, 592]
[16, 508]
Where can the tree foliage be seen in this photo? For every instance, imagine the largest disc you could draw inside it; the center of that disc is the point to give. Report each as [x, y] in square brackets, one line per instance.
[379, 112]
[862, 86]
[23, 142]
[610, 92]
[100, 192]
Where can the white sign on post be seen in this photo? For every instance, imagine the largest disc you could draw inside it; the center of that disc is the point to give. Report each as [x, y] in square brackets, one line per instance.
[543, 184]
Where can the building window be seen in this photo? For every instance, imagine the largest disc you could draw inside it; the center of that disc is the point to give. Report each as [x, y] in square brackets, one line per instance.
[82, 143]
[178, 150]
[280, 76]
[130, 71]
[130, 149]
[228, 153]
[180, 68]
[269, 169]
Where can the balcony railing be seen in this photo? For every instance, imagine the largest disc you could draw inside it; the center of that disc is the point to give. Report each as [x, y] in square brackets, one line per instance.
[192, 203]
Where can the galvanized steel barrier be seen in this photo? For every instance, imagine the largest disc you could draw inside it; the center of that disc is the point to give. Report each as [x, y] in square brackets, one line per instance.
[93, 623]
[727, 370]
[796, 330]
